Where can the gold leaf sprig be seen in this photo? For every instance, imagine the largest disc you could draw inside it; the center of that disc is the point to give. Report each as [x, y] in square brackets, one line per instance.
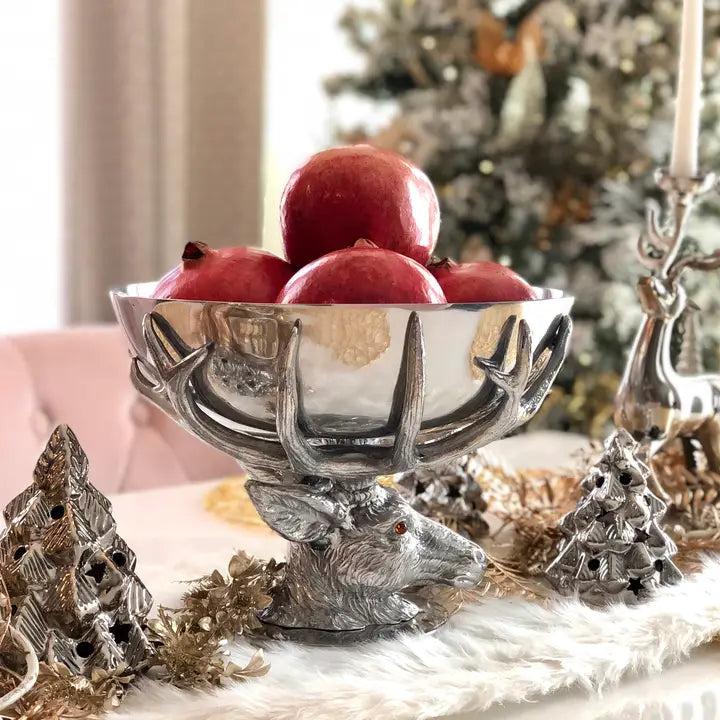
[529, 504]
[216, 609]
[694, 493]
[191, 658]
[504, 579]
[60, 695]
[228, 605]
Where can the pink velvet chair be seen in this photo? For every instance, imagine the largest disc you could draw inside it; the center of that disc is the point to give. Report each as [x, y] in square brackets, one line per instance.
[80, 377]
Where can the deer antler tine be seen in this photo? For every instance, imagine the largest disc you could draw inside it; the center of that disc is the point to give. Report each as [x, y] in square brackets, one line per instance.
[523, 363]
[145, 381]
[181, 373]
[494, 364]
[656, 235]
[548, 339]
[156, 330]
[152, 333]
[647, 260]
[538, 389]
[501, 349]
[505, 415]
[708, 262]
[408, 403]
[518, 376]
[179, 396]
[152, 390]
[303, 458]
[703, 263]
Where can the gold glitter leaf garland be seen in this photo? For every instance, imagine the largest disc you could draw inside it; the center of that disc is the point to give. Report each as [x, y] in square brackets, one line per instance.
[60, 695]
[529, 504]
[189, 645]
[229, 501]
[189, 657]
[216, 609]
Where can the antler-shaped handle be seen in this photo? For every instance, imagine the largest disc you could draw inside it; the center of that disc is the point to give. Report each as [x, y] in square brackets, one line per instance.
[516, 394]
[505, 401]
[172, 390]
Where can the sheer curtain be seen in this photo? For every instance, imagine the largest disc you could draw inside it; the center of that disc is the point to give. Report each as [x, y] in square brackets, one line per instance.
[29, 165]
[162, 137]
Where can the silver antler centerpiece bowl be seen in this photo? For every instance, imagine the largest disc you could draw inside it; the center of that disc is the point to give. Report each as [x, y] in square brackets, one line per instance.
[317, 401]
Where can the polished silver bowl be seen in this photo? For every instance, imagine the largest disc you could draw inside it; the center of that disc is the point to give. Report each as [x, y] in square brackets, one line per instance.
[349, 355]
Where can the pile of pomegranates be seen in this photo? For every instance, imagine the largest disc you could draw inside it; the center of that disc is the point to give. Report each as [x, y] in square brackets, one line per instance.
[359, 225]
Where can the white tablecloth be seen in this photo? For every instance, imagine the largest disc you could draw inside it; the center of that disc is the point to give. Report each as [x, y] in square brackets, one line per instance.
[176, 539]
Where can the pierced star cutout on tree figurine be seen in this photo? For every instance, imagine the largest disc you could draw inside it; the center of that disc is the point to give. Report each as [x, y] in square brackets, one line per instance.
[71, 578]
[614, 547]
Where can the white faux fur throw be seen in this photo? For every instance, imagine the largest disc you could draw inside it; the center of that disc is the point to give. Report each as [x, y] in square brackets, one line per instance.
[501, 650]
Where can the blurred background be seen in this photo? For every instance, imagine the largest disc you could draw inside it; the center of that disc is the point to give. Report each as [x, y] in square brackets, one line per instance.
[128, 128]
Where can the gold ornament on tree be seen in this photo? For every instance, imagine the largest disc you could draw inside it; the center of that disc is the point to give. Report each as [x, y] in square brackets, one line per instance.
[501, 55]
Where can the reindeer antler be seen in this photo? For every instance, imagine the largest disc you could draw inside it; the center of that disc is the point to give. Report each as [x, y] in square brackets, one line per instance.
[520, 394]
[347, 459]
[660, 246]
[654, 240]
[704, 263]
[506, 399]
[172, 388]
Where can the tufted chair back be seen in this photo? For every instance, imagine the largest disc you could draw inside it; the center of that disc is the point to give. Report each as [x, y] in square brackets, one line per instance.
[80, 377]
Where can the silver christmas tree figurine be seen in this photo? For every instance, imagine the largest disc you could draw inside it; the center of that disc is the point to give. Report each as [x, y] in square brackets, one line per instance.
[614, 547]
[448, 494]
[71, 578]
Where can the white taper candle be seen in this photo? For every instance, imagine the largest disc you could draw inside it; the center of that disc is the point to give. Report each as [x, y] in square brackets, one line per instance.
[684, 162]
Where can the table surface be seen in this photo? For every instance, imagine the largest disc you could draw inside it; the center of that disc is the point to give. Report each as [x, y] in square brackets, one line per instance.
[176, 539]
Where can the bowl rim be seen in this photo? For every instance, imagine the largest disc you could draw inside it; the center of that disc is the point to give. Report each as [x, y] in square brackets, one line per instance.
[555, 295]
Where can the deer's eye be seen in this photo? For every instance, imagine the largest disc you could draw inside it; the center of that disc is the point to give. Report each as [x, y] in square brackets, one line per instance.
[401, 528]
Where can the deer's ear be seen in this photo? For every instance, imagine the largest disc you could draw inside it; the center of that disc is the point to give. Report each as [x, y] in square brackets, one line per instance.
[297, 512]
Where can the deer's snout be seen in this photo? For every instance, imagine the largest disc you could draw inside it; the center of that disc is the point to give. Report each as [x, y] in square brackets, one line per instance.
[464, 566]
[472, 572]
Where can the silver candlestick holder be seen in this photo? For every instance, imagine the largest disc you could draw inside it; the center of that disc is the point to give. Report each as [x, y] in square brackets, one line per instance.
[655, 402]
[317, 401]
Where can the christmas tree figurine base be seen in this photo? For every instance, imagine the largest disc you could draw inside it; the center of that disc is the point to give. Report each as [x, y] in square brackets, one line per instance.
[614, 547]
[70, 577]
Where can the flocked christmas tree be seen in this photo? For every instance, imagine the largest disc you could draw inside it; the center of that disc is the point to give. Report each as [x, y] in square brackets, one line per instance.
[540, 123]
[614, 546]
[71, 578]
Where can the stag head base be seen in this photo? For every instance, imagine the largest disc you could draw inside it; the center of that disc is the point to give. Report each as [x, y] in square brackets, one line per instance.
[353, 554]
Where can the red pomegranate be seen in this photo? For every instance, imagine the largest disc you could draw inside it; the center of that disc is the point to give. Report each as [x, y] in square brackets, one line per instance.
[362, 275]
[480, 282]
[233, 274]
[347, 193]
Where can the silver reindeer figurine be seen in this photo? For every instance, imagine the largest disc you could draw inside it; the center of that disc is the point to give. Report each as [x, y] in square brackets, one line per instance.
[655, 402]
